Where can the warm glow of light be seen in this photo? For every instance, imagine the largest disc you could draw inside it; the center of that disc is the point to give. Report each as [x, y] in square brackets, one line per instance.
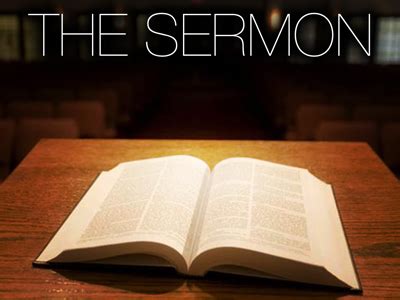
[275, 18]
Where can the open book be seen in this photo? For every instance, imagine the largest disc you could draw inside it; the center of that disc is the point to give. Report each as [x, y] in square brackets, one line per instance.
[247, 216]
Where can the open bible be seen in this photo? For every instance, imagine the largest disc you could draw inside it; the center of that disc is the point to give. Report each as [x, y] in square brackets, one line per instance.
[246, 216]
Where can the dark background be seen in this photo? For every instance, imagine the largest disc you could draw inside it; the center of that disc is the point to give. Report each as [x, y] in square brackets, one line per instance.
[352, 97]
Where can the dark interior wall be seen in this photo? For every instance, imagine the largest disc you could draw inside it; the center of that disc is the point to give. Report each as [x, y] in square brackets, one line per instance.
[354, 6]
[222, 97]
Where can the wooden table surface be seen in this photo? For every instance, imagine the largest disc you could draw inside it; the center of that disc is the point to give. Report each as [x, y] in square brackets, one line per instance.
[42, 191]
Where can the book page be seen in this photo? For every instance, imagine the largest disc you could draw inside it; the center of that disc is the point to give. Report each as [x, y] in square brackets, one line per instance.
[276, 219]
[259, 206]
[328, 231]
[151, 200]
[154, 197]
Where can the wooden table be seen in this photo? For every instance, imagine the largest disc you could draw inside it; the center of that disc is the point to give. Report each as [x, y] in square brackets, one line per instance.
[40, 193]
